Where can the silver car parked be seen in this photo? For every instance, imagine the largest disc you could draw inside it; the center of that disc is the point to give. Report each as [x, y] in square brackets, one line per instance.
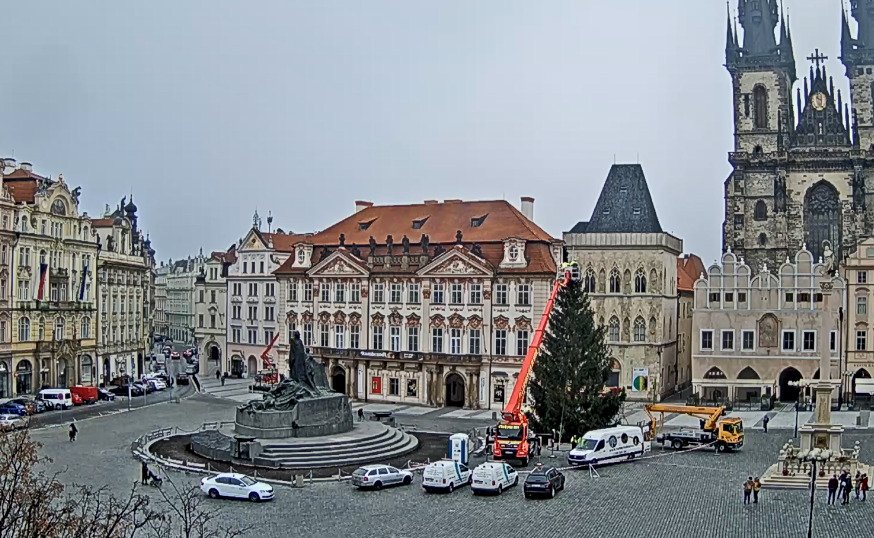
[377, 476]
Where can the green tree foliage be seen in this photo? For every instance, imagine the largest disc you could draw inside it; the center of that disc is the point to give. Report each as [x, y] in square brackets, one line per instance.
[572, 369]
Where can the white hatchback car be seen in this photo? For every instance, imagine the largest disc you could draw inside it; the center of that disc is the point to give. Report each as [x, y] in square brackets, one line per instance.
[11, 422]
[237, 486]
[377, 476]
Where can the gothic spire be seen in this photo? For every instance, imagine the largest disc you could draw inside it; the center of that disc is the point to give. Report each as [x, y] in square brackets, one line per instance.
[758, 19]
[846, 36]
[730, 38]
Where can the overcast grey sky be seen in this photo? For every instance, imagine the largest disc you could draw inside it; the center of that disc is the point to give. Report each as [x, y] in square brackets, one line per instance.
[207, 110]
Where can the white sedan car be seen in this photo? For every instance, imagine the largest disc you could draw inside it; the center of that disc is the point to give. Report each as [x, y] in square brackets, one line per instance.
[11, 422]
[236, 485]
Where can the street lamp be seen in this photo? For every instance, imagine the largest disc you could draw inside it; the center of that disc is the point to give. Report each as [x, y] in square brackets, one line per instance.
[813, 456]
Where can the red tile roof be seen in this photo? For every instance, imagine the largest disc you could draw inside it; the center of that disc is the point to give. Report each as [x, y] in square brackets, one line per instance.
[689, 269]
[102, 223]
[22, 185]
[285, 242]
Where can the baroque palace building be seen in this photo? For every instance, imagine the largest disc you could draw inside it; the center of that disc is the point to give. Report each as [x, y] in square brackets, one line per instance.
[431, 303]
[210, 309]
[803, 154]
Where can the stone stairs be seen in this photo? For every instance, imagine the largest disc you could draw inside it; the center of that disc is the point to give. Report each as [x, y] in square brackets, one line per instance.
[382, 444]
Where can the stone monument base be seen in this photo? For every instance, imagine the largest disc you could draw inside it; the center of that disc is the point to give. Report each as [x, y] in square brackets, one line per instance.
[328, 414]
[824, 436]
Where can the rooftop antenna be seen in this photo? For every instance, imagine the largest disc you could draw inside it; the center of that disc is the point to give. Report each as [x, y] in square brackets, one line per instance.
[638, 157]
[614, 158]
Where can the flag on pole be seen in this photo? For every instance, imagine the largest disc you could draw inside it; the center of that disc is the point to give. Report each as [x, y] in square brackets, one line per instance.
[84, 284]
[41, 285]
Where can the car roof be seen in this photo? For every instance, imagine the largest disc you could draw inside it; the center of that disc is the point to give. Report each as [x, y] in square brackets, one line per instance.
[230, 475]
[374, 466]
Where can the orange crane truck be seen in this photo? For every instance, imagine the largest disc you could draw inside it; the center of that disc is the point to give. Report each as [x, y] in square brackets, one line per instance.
[725, 433]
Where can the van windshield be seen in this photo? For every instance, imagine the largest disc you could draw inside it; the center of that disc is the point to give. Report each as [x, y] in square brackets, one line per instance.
[588, 444]
[509, 432]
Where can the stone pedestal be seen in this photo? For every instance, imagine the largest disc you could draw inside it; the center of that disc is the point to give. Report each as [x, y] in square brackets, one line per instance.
[821, 433]
[325, 415]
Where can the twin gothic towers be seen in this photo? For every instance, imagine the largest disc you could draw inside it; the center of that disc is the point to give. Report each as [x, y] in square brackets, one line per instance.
[803, 164]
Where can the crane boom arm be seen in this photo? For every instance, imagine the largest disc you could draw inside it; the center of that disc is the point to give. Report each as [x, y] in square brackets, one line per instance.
[264, 354]
[513, 409]
[710, 415]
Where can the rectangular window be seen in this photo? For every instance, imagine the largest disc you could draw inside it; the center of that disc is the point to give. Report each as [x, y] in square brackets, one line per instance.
[521, 343]
[253, 313]
[500, 341]
[707, 340]
[200, 320]
[729, 297]
[861, 340]
[861, 277]
[308, 292]
[437, 340]
[833, 341]
[437, 294]
[355, 292]
[804, 297]
[394, 337]
[355, 336]
[270, 289]
[236, 311]
[324, 335]
[325, 292]
[476, 294]
[262, 267]
[741, 297]
[379, 293]
[788, 341]
[395, 292]
[713, 297]
[500, 294]
[523, 294]
[394, 386]
[413, 293]
[455, 341]
[340, 292]
[238, 289]
[253, 336]
[308, 334]
[200, 296]
[212, 296]
[412, 339]
[269, 313]
[245, 268]
[790, 297]
[377, 337]
[212, 321]
[473, 341]
[268, 336]
[292, 291]
[235, 334]
[748, 342]
[339, 336]
[455, 294]
[862, 306]
[727, 340]
[808, 341]
[253, 289]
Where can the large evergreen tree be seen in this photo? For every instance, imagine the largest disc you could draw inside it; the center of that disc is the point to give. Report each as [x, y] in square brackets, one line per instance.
[572, 369]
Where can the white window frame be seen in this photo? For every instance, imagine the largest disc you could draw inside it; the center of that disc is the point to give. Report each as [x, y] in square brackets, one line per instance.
[742, 334]
[701, 339]
[456, 293]
[394, 337]
[413, 338]
[340, 336]
[861, 305]
[355, 336]
[474, 341]
[413, 296]
[437, 338]
[722, 334]
[863, 334]
[783, 334]
[803, 334]
[833, 341]
[455, 334]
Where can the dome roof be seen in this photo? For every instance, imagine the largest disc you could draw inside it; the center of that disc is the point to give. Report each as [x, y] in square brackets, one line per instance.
[131, 207]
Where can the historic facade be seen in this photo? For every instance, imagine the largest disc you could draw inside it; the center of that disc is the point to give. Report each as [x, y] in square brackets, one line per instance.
[210, 308]
[162, 323]
[629, 266]
[125, 262]
[756, 331]
[178, 296]
[802, 165]
[859, 354]
[431, 303]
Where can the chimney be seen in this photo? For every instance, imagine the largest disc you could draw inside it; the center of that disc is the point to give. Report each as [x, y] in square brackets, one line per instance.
[528, 207]
[26, 166]
[361, 205]
[431, 202]
[452, 201]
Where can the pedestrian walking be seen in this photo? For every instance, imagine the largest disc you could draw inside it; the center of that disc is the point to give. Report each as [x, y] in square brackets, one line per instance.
[218, 375]
[757, 487]
[841, 484]
[848, 487]
[765, 423]
[864, 486]
[360, 414]
[74, 431]
[144, 473]
[224, 377]
[748, 490]
[832, 489]
[858, 483]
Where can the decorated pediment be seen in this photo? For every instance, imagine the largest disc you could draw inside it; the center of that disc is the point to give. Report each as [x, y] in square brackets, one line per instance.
[523, 323]
[325, 317]
[456, 321]
[502, 322]
[395, 318]
[437, 320]
[413, 320]
[339, 317]
[355, 318]
[338, 263]
[377, 320]
[457, 262]
[253, 241]
[474, 322]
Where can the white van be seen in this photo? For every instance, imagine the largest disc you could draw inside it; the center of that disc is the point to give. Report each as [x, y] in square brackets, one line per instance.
[445, 475]
[493, 477]
[610, 445]
[56, 398]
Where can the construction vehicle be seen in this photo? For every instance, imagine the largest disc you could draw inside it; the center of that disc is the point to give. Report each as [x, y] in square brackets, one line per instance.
[724, 433]
[269, 375]
[513, 440]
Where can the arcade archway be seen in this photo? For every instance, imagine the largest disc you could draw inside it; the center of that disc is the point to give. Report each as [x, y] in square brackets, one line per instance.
[789, 393]
[454, 390]
[338, 379]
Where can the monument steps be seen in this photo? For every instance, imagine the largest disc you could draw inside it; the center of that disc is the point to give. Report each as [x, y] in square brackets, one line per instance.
[326, 442]
[388, 441]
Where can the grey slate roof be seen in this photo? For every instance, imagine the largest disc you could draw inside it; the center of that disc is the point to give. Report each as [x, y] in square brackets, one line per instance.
[625, 205]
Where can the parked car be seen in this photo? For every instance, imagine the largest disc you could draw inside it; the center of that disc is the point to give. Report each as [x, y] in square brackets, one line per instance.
[154, 383]
[10, 408]
[11, 422]
[103, 394]
[236, 485]
[543, 482]
[122, 390]
[145, 387]
[377, 476]
[57, 398]
[445, 475]
[31, 406]
[493, 477]
[88, 394]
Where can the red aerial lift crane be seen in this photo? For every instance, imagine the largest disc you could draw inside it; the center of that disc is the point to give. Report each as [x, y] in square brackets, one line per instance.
[512, 437]
[269, 375]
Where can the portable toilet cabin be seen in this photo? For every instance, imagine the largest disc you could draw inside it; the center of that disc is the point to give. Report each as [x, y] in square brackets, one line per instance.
[459, 447]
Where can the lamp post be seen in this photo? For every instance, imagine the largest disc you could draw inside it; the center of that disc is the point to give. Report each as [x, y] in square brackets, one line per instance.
[814, 456]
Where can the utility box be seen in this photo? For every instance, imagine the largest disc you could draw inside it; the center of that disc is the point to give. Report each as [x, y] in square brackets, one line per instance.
[459, 447]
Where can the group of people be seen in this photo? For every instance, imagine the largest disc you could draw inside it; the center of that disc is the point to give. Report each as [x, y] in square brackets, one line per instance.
[839, 487]
[752, 487]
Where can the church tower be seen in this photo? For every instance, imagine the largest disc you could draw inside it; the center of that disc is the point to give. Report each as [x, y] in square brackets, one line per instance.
[857, 55]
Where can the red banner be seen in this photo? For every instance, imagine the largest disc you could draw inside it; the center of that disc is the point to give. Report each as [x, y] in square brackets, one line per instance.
[375, 385]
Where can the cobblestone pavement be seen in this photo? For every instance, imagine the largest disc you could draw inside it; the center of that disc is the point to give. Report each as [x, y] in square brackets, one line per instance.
[687, 494]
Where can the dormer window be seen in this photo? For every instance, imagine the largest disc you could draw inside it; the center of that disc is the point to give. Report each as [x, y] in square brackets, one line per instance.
[418, 223]
[636, 211]
[513, 253]
[476, 222]
[365, 224]
[606, 211]
[623, 190]
[301, 256]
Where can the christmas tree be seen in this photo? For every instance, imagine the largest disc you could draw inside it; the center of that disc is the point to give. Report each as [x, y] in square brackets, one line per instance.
[571, 371]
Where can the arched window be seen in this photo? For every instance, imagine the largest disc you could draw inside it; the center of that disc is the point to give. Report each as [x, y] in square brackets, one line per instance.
[24, 329]
[760, 107]
[615, 281]
[59, 329]
[761, 211]
[763, 240]
[640, 281]
[589, 281]
[42, 257]
[639, 330]
[41, 329]
[85, 329]
[613, 330]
